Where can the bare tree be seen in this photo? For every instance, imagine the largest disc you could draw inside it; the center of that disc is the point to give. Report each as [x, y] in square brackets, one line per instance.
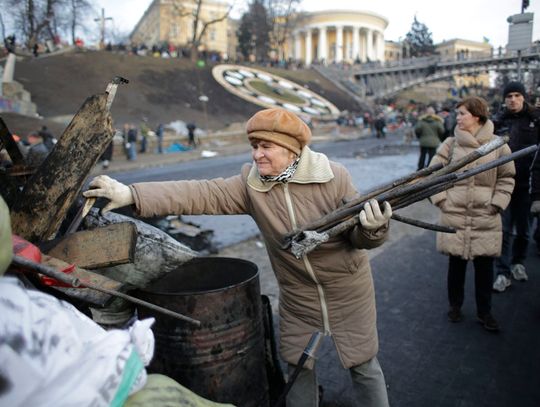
[283, 16]
[34, 19]
[193, 10]
[77, 11]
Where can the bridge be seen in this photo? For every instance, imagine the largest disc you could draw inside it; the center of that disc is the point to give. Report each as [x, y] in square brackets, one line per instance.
[375, 80]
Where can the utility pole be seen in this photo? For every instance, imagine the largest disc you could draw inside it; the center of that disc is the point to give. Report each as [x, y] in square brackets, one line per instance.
[101, 21]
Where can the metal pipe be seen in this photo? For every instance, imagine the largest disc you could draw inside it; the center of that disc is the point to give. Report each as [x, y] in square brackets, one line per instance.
[78, 283]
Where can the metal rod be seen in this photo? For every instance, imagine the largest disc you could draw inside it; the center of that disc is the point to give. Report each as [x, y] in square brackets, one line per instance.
[309, 352]
[430, 173]
[423, 225]
[405, 197]
[78, 283]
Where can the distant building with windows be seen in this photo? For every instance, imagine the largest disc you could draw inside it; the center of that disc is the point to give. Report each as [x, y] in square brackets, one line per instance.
[171, 21]
[459, 49]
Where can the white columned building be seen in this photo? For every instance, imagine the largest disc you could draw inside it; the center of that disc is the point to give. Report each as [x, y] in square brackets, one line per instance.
[339, 36]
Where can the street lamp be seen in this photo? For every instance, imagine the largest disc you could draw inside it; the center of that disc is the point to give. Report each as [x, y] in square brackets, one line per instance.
[204, 100]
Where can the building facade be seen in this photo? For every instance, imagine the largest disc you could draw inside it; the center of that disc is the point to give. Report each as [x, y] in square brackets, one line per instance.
[335, 36]
[171, 21]
[458, 49]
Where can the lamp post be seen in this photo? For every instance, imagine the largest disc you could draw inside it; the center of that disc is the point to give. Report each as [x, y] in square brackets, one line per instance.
[204, 100]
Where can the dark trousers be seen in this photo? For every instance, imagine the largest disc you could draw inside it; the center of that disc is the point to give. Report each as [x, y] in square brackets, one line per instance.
[483, 282]
[516, 222]
[425, 152]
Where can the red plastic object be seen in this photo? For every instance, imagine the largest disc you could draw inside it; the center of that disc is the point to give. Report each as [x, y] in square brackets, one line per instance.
[25, 249]
[49, 281]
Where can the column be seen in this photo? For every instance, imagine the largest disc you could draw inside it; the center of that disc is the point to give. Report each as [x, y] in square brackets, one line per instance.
[322, 50]
[339, 43]
[297, 45]
[380, 46]
[369, 44]
[348, 45]
[355, 43]
[309, 57]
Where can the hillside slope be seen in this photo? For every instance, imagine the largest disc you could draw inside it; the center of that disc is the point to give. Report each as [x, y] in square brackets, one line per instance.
[162, 90]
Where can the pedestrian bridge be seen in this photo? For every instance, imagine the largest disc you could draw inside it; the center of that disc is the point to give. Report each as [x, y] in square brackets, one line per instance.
[376, 80]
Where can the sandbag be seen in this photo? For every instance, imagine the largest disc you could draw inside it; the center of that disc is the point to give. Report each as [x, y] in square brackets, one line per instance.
[162, 391]
[53, 355]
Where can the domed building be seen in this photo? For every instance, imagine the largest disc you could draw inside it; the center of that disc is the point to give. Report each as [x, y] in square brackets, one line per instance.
[338, 36]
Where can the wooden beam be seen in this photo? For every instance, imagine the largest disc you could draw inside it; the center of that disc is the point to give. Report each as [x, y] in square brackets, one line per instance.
[87, 295]
[101, 247]
[49, 193]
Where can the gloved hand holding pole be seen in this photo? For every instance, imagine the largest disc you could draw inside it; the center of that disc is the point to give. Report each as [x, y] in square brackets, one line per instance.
[104, 186]
[371, 217]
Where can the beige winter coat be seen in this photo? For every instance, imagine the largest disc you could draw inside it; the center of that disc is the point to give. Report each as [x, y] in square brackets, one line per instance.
[330, 289]
[472, 206]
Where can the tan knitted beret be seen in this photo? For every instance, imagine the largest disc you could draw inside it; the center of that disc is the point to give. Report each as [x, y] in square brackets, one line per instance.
[281, 127]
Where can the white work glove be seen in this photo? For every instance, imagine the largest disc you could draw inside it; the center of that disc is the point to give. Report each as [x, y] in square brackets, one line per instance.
[372, 218]
[535, 207]
[104, 186]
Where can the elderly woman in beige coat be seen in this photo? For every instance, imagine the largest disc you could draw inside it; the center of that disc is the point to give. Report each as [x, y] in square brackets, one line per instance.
[287, 186]
[473, 208]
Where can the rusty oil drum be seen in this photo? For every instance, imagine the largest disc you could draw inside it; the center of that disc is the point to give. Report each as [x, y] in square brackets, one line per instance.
[223, 360]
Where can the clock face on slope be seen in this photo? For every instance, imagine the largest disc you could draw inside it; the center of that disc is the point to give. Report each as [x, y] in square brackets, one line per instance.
[268, 90]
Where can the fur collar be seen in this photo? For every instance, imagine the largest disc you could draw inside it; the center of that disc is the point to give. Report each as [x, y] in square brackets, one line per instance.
[312, 168]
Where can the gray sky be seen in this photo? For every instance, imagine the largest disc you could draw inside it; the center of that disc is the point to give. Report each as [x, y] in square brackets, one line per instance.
[467, 19]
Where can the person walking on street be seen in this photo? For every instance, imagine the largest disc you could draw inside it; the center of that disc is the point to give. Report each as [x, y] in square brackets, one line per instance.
[522, 121]
[473, 208]
[48, 139]
[429, 129]
[159, 135]
[289, 185]
[131, 145]
[144, 135]
[380, 126]
[191, 134]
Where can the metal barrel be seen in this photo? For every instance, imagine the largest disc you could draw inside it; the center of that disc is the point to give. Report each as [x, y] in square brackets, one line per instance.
[223, 360]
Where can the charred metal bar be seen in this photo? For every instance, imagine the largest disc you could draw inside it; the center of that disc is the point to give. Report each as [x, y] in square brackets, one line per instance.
[312, 239]
[430, 173]
[423, 225]
[77, 283]
[309, 352]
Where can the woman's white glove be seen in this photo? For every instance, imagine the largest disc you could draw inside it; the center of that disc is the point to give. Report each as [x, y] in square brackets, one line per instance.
[535, 207]
[372, 218]
[104, 186]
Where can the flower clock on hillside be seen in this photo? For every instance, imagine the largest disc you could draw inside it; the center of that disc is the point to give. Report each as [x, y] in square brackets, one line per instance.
[268, 90]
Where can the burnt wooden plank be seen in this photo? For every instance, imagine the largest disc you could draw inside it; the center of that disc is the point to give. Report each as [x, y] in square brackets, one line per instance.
[48, 194]
[87, 295]
[101, 247]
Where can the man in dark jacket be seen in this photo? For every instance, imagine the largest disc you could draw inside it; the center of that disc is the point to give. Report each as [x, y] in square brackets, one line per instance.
[522, 122]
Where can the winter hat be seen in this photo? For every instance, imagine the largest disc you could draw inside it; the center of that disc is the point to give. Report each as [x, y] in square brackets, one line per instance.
[514, 87]
[281, 127]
